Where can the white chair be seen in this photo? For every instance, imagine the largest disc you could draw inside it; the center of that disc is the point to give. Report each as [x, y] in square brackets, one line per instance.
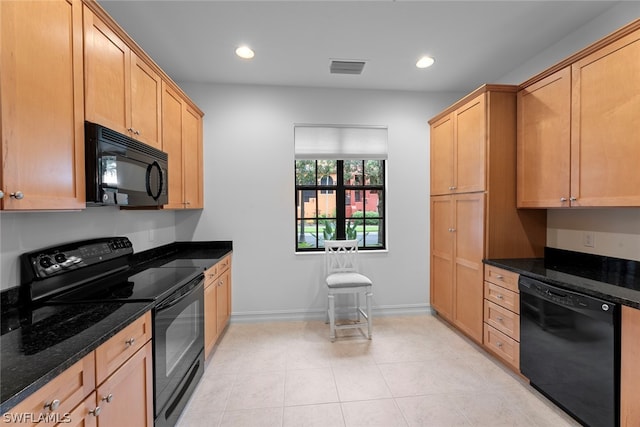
[341, 262]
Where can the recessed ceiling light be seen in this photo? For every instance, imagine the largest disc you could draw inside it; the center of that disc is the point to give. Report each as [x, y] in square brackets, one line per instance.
[425, 62]
[245, 52]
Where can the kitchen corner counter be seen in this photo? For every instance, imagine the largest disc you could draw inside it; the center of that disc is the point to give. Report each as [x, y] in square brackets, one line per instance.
[56, 338]
[612, 279]
[38, 344]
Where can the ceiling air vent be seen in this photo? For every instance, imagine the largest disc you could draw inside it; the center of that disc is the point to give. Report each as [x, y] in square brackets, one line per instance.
[346, 67]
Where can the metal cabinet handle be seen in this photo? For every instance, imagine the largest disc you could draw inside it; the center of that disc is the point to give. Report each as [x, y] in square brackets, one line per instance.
[130, 342]
[499, 276]
[499, 344]
[221, 282]
[137, 132]
[499, 319]
[53, 405]
[499, 296]
[572, 199]
[563, 199]
[108, 398]
[96, 411]
[1, 194]
[130, 130]
[19, 195]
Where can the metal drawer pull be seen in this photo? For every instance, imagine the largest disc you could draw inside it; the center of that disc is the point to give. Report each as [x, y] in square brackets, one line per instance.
[499, 296]
[108, 398]
[55, 404]
[96, 411]
[499, 319]
[499, 276]
[130, 342]
[563, 199]
[499, 344]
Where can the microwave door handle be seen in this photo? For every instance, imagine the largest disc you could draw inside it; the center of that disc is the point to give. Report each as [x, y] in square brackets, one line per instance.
[155, 195]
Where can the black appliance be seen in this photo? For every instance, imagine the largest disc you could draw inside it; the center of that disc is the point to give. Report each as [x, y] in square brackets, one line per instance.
[570, 350]
[123, 171]
[97, 272]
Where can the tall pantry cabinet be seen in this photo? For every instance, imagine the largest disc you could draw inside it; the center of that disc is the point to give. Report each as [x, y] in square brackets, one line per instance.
[473, 203]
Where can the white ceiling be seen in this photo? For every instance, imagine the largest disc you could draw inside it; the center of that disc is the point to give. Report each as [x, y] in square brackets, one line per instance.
[473, 42]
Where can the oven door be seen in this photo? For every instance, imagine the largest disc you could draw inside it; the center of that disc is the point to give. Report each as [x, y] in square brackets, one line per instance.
[178, 347]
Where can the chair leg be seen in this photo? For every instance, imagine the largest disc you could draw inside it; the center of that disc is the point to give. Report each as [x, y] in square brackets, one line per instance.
[358, 307]
[369, 318]
[332, 317]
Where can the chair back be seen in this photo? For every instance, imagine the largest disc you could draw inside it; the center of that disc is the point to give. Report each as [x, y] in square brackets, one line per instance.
[341, 256]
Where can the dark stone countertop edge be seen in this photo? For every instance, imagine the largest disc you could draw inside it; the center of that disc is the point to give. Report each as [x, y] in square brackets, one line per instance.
[109, 331]
[612, 293]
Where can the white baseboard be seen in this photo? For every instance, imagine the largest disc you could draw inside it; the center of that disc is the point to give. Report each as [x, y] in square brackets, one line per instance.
[319, 314]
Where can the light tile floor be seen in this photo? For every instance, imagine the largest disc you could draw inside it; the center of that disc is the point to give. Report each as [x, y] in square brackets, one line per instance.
[416, 371]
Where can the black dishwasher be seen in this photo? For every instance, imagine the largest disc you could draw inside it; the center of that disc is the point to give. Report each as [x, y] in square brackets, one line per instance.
[570, 350]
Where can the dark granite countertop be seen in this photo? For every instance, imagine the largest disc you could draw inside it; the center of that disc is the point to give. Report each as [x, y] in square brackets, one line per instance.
[612, 279]
[38, 344]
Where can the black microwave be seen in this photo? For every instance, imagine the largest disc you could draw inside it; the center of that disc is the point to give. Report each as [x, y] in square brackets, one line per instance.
[122, 171]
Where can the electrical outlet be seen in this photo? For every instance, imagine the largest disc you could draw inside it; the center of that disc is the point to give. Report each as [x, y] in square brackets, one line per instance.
[588, 239]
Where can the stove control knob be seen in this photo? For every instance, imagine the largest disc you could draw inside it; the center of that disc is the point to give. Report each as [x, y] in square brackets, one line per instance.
[45, 262]
[60, 258]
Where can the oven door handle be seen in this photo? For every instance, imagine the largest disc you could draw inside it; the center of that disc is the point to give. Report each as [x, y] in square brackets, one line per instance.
[168, 303]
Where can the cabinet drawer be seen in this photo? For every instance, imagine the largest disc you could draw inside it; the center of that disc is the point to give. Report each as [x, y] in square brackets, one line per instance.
[502, 319]
[502, 346]
[123, 345]
[210, 275]
[502, 296]
[224, 264]
[60, 395]
[504, 278]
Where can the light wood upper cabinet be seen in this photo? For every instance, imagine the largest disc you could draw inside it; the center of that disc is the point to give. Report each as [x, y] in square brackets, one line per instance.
[122, 92]
[41, 105]
[578, 140]
[182, 140]
[544, 141]
[458, 145]
[605, 123]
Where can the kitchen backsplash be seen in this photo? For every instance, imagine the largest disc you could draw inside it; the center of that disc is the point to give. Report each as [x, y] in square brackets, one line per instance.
[608, 232]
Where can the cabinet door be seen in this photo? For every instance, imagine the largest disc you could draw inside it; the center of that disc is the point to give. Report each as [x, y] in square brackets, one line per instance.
[470, 146]
[84, 415]
[210, 316]
[107, 75]
[41, 105]
[468, 270]
[126, 397]
[629, 373]
[605, 119]
[222, 299]
[192, 155]
[172, 144]
[441, 142]
[543, 154]
[146, 91]
[442, 255]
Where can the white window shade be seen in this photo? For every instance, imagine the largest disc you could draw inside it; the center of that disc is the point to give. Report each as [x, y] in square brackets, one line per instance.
[340, 142]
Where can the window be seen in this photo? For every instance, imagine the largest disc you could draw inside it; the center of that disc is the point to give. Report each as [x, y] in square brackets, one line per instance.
[339, 198]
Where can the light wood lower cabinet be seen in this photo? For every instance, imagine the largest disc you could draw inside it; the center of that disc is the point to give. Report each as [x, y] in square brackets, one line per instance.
[217, 302]
[456, 259]
[629, 372]
[110, 387]
[502, 315]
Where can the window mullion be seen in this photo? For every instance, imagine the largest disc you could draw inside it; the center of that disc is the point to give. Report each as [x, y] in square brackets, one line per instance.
[340, 198]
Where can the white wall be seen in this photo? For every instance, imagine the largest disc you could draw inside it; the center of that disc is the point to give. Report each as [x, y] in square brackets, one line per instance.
[249, 193]
[27, 231]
